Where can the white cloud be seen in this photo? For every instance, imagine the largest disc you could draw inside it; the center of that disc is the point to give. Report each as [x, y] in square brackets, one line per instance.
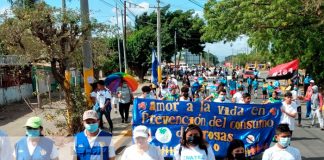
[199, 13]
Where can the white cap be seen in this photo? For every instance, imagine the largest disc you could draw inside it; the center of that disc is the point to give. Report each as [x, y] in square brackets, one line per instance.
[140, 131]
[90, 114]
[312, 81]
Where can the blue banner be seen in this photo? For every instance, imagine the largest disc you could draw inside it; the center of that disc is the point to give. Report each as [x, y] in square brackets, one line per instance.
[254, 124]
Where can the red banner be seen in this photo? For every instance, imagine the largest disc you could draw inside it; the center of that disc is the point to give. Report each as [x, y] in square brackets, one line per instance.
[284, 71]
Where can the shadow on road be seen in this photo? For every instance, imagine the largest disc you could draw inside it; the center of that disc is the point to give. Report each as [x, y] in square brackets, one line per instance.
[302, 138]
[313, 158]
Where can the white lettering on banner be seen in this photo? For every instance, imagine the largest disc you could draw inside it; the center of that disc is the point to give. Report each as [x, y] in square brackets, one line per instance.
[282, 72]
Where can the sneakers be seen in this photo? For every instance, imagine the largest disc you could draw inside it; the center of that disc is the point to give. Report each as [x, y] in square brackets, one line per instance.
[299, 125]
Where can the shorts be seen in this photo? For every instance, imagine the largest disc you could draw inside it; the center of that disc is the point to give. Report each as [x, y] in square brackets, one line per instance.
[264, 92]
[232, 92]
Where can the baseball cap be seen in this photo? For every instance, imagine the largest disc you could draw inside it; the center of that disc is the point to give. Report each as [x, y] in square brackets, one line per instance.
[312, 81]
[140, 131]
[90, 114]
[34, 122]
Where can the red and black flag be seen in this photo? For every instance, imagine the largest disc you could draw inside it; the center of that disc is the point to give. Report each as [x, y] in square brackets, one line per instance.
[284, 71]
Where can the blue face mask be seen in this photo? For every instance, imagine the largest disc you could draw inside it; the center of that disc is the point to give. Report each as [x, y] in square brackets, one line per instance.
[33, 133]
[92, 127]
[295, 88]
[284, 142]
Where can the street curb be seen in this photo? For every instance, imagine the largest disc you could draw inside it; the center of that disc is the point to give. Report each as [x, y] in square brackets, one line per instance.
[120, 139]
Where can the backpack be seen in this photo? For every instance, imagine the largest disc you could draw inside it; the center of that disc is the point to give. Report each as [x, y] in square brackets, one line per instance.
[180, 149]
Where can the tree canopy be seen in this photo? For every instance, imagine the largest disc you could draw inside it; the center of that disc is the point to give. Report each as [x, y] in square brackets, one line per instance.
[287, 29]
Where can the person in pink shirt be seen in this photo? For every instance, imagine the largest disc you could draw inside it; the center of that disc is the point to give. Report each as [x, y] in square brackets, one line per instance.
[307, 99]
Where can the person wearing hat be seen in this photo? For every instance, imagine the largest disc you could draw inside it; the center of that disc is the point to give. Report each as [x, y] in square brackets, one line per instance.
[289, 112]
[34, 145]
[93, 143]
[141, 149]
[5, 146]
[307, 99]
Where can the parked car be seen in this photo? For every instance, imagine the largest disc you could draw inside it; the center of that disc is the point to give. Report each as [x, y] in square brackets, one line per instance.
[247, 74]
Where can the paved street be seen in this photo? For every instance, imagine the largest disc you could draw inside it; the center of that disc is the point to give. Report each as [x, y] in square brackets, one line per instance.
[307, 139]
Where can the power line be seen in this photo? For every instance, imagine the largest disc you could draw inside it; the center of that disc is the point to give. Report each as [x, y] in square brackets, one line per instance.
[196, 3]
[103, 1]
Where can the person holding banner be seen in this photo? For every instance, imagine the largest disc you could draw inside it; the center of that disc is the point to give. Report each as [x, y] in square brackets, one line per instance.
[282, 149]
[221, 97]
[193, 146]
[185, 95]
[141, 149]
[274, 98]
[173, 96]
[146, 93]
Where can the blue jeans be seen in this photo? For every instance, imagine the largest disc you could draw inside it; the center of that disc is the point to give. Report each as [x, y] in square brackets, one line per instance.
[308, 108]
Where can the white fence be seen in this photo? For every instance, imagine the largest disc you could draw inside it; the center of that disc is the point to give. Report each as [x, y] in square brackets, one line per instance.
[15, 93]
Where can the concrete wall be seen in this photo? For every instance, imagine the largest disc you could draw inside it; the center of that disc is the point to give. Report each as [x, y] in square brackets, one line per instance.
[13, 94]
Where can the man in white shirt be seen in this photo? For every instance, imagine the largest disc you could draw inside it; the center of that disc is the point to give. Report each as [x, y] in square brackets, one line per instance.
[282, 149]
[237, 97]
[103, 104]
[289, 111]
[246, 99]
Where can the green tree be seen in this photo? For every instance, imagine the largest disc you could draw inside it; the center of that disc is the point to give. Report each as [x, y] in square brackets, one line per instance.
[141, 41]
[286, 29]
[43, 35]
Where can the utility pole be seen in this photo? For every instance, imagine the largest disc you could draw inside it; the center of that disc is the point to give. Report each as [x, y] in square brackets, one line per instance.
[119, 53]
[124, 39]
[86, 49]
[158, 33]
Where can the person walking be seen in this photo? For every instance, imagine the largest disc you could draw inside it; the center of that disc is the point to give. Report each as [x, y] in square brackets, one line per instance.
[282, 149]
[289, 112]
[103, 104]
[141, 149]
[146, 93]
[307, 99]
[307, 80]
[249, 82]
[35, 145]
[93, 143]
[193, 145]
[296, 97]
[317, 103]
[238, 95]
[125, 97]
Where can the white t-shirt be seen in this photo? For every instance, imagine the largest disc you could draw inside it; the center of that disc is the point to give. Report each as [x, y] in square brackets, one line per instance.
[31, 149]
[295, 95]
[184, 100]
[276, 153]
[291, 109]
[102, 95]
[193, 153]
[92, 140]
[225, 101]
[238, 97]
[164, 92]
[153, 153]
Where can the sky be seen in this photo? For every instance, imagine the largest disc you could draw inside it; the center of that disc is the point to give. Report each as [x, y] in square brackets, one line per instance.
[105, 11]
